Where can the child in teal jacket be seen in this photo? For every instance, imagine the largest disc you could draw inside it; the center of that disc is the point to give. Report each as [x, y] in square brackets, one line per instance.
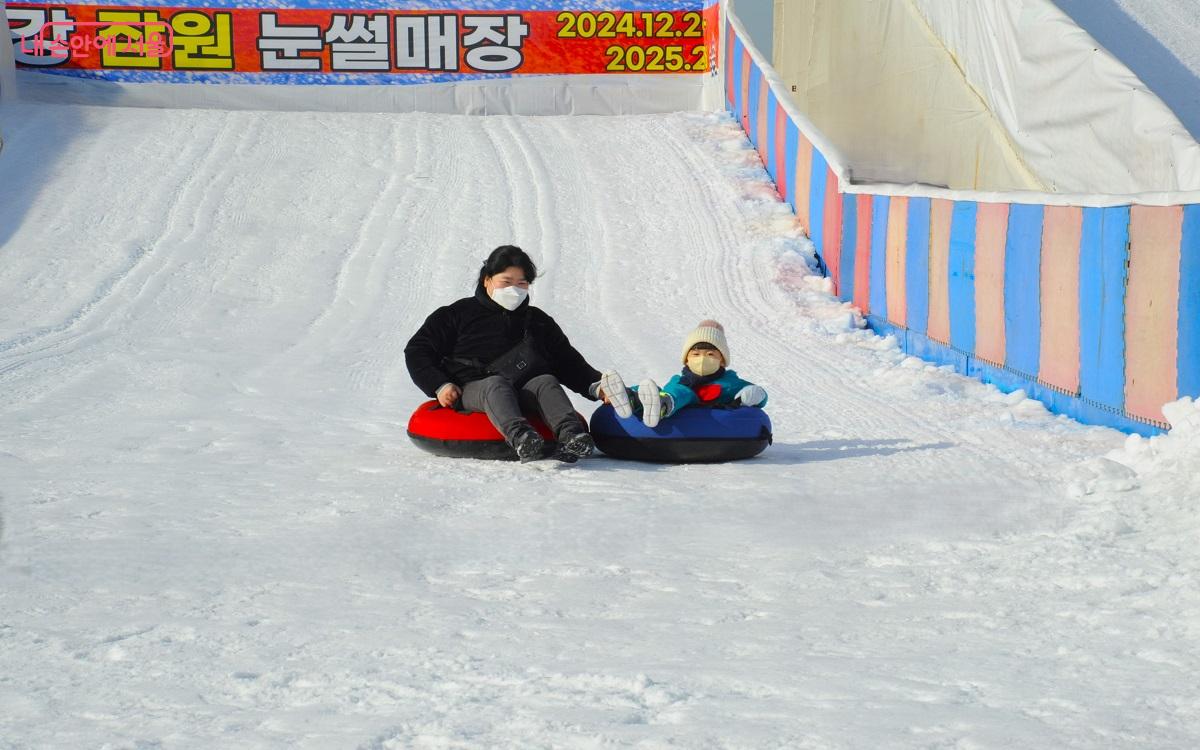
[705, 380]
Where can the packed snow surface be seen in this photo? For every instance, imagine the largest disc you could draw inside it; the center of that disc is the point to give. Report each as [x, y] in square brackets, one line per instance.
[1159, 40]
[214, 531]
[1174, 23]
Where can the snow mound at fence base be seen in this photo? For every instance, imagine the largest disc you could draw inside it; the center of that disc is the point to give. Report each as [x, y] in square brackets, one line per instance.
[1167, 461]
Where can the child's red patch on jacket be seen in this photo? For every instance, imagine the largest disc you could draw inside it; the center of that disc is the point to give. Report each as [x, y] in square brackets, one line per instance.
[708, 392]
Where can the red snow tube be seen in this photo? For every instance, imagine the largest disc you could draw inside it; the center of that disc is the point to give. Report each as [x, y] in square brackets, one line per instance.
[466, 434]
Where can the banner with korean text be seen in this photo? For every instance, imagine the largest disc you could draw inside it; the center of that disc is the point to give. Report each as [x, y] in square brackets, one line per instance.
[362, 41]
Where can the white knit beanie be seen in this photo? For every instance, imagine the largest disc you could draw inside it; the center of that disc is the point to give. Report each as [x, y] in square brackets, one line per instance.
[711, 332]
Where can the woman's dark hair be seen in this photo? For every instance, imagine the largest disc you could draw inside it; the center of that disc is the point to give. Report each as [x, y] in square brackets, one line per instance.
[505, 257]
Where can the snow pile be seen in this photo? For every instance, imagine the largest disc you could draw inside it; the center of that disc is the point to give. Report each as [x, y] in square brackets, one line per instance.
[1140, 505]
[780, 239]
[1167, 462]
[1101, 475]
[1175, 454]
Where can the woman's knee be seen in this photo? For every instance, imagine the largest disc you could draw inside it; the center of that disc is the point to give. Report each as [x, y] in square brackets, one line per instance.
[479, 392]
[541, 382]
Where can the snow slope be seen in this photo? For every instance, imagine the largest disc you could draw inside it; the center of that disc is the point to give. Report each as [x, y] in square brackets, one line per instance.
[215, 533]
[1159, 40]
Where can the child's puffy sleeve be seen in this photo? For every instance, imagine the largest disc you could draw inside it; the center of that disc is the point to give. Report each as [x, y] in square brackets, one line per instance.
[680, 394]
[745, 391]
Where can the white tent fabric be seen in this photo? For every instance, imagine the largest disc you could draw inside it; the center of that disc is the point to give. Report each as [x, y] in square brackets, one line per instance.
[874, 79]
[1079, 118]
[987, 97]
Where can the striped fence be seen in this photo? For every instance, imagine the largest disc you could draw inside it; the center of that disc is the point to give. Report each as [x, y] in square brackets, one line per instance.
[1093, 311]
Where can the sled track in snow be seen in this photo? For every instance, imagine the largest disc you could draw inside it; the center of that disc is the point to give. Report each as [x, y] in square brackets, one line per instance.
[130, 279]
[206, 482]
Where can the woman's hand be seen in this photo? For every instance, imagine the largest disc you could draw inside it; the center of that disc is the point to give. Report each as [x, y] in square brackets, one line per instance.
[448, 394]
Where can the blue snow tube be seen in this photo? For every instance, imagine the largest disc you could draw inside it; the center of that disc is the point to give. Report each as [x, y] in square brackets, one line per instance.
[693, 435]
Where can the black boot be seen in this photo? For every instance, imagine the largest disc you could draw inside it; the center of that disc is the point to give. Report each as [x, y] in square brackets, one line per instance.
[529, 445]
[577, 443]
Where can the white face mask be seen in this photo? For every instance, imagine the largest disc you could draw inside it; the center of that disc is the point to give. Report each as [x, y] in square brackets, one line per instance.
[509, 297]
[704, 363]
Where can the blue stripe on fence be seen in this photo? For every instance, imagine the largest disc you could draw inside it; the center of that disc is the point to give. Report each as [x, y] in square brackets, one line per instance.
[1103, 252]
[1022, 289]
[726, 63]
[962, 276]
[1189, 304]
[816, 206]
[738, 48]
[756, 81]
[879, 220]
[917, 276]
[849, 245]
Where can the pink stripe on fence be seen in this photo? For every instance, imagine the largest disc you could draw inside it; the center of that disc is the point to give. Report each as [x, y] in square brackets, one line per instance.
[803, 182]
[862, 253]
[1059, 357]
[991, 232]
[939, 270]
[831, 242]
[1152, 310]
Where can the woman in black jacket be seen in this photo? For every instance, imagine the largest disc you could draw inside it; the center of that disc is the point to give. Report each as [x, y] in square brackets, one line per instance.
[493, 352]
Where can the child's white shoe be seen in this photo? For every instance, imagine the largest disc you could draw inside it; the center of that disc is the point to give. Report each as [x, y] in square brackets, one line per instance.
[652, 402]
[614, 389]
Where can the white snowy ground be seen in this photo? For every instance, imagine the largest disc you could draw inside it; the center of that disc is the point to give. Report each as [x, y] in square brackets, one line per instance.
[215, 533]
[1173, 23]
[1159, 40]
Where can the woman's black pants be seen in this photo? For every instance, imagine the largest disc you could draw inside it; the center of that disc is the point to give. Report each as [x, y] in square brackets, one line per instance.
[506, 406]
